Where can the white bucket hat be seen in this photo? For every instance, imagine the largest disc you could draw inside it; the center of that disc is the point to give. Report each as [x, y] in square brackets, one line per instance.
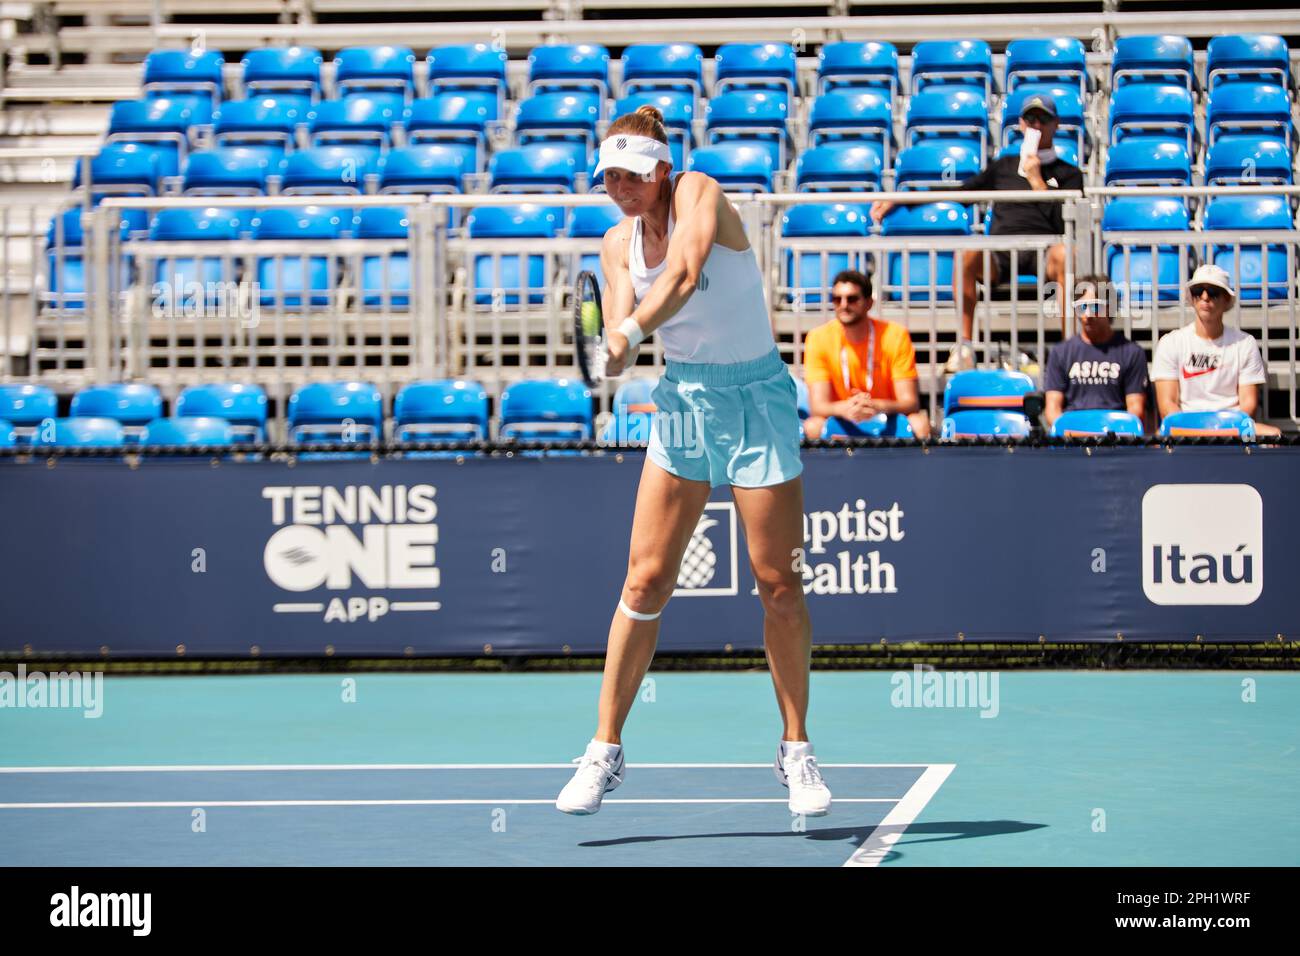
[1210, 274]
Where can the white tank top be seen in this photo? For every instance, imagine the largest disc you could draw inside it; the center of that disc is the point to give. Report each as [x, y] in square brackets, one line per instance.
[725, 320]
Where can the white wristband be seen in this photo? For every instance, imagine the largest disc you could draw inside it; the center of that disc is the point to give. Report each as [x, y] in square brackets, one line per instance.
[629, 328]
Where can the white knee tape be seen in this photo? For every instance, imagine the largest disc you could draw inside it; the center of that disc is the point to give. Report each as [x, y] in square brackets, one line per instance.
[637, 615]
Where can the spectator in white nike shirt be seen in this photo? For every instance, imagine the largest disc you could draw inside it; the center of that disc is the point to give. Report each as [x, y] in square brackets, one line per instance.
[1204, 366]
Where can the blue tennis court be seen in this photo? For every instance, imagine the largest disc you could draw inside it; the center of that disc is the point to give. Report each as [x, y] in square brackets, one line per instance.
[1152, 768]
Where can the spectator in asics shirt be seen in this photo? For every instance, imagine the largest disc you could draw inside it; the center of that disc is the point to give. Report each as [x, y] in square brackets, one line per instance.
[1043, 171]
[1099, 368]
[1206, 366]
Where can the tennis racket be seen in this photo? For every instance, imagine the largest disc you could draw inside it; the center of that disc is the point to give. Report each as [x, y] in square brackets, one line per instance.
[589, 329]
[589, 341]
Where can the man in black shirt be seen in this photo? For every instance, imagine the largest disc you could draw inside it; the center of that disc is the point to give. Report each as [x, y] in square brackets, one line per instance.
[1043, 170]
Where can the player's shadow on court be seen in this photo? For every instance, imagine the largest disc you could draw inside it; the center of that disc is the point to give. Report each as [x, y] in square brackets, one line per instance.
[929, 833]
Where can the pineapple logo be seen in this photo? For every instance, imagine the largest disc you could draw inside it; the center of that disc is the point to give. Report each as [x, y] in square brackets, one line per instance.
[700, 559]
[709, 566]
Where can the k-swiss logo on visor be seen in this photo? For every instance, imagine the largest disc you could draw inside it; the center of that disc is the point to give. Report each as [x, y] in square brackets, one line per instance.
[621, 142]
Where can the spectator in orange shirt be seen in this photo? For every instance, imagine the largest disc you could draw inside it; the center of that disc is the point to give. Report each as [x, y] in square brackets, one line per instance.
[857, 367]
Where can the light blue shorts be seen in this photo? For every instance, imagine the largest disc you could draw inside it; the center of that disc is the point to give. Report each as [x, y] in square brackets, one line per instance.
[734, 424]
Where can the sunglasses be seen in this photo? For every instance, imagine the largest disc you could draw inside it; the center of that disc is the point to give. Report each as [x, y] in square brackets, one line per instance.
[1214, 292]
[1098, 307]
[850, 299]
[1038, 119]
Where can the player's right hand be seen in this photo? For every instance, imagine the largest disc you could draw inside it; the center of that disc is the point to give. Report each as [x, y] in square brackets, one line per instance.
[616, 344]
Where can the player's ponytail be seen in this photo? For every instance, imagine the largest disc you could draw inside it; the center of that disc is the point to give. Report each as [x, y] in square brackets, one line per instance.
[646, 121]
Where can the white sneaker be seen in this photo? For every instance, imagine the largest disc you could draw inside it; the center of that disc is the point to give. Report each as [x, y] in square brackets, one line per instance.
[960, 359]
[595, 777]
[796, 768]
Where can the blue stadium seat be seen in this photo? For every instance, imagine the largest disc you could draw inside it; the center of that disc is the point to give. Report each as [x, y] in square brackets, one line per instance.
[281, 69]
[65, 265]
[936, 163]
[537, 168]
[756, 66]
[1249, 108]
[181, 280]
[285, 278]
[560, 118]
[1248, 56]
[243, 407]
[1071, 115]
[751, 116]
[330, 170]
[592, 222]
[984, 424]
[1148, 162]
[1153, 59]
[85, 432]
[857, 65]
[1047, 60]
[187, 430]
[1081, 422]
[167, 72]
[375, 68]
[851, 167]
[948, 112]
[987, 389]
[1146, 271]
[655, 67]
[360, 118]
[423, 168]
[340, 412]
[389, 273]
[808, 274]
[546, 410]
[527, 221]
[161, 124]
[120, 169]
[8, 437]
[228, 171]
[1225, 424]
[25, 407]
[877, 426]
[265, 122]
[910, 274]
[854, 116]
[458, 120]
[1247, 264]
[569, 67]
[132, 405]
[443, 410]
[737, 166]
[1246, 160]
[1149, 110]
[635, 395]
[948, 62]
[469, 67]
[679, 113]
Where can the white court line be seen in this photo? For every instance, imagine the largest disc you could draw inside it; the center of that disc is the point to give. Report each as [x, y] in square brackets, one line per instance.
[133, 805]
[240, 768]
[886, 833]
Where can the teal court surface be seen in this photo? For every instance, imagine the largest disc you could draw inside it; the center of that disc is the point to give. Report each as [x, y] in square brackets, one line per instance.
[1068, 768]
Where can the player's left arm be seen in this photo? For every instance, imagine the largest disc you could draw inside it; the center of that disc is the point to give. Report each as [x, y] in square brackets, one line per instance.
[699, 204]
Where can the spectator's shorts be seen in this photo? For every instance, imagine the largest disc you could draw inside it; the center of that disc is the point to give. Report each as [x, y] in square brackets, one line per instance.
[734, 424]
[1026, 263]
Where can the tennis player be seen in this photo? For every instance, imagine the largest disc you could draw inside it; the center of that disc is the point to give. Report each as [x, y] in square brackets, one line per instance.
[679, 264]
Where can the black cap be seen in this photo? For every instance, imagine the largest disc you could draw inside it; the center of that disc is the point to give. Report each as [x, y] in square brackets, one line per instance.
[1039, 102]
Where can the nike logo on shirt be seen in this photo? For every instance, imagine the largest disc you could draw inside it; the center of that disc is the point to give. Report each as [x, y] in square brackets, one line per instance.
[1202, 371]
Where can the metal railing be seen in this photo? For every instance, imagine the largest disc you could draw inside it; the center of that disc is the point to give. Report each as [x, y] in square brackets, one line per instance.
[461, 316]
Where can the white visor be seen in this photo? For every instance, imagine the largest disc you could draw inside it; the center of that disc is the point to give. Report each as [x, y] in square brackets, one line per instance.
[640, 154]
